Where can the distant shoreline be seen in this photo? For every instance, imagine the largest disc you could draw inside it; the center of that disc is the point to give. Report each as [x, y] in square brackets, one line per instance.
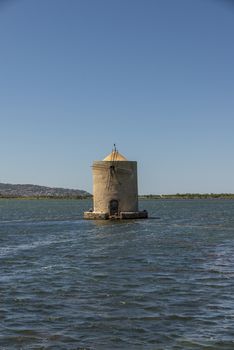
[46, 197]
[189, 196]
[178, 196]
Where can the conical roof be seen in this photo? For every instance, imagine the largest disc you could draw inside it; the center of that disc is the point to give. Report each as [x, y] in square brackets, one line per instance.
[115, 156]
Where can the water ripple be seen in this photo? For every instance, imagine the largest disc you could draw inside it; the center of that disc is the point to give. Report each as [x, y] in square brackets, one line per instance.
[67, 283]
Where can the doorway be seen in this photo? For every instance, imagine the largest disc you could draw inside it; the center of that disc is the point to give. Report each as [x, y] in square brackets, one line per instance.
[114, 207]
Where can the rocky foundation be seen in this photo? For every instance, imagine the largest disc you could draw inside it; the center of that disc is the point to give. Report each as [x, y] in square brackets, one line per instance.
[120, 216]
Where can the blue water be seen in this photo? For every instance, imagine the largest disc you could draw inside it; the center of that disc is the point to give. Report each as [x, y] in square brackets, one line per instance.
[162, 283]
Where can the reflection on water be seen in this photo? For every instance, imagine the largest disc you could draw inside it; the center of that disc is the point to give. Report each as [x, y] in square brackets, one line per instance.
[161, 283]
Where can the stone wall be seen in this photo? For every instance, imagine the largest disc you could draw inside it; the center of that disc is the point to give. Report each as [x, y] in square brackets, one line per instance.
[118, 183]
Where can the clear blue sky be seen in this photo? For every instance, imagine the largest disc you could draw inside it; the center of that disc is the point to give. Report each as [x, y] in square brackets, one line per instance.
[154, 76]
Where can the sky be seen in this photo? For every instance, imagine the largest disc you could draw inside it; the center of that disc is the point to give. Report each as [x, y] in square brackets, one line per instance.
[156, 77]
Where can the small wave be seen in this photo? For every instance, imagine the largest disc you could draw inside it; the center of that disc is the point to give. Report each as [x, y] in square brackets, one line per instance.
[4, 251]
[45, 221]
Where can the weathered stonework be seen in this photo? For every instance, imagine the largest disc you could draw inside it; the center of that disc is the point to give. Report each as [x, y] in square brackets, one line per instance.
[121, 216]
[122, 186]
[95, 216]
[134, 215]
[115, 192]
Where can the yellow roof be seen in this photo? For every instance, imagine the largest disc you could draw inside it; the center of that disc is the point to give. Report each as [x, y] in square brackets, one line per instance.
[114, 156]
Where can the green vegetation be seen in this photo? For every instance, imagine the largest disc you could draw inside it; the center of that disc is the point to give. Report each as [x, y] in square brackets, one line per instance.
[46, 197]
[148, 196]
[29, 191]
[189, 196]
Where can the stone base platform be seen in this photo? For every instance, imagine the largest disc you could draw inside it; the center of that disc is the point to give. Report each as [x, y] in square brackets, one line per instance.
[123, 215]
[91, 215]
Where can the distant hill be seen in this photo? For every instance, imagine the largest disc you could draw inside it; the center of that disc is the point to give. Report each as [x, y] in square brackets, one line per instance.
[35, 191]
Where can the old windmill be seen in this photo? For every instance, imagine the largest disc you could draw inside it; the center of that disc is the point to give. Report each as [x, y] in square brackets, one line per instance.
[115, 192]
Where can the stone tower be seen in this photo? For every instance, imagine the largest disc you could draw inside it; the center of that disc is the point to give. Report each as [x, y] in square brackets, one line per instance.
[115, 192]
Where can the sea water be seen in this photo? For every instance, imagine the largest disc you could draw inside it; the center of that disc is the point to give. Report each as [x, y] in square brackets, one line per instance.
[162, 283]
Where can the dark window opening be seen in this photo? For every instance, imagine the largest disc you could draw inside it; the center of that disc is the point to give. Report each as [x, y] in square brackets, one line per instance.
[114, 207]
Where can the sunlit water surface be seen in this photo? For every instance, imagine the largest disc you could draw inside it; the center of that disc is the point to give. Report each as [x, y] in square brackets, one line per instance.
[162, 283]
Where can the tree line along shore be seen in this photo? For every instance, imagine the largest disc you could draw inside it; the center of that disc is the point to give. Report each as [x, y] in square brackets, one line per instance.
[189, 196]
[145, 197]
[30, 191]
[45, 197]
